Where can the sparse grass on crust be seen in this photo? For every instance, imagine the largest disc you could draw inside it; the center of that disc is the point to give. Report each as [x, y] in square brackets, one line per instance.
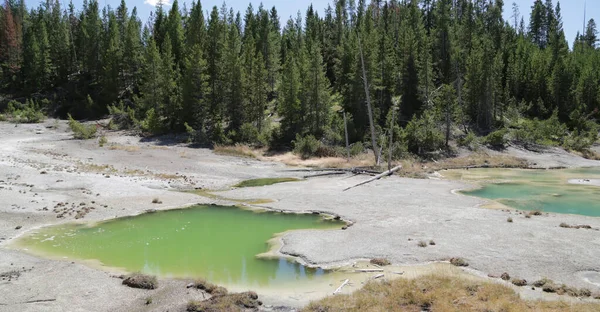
[142, 281]
[128, 148]
[246, 301]
[434, 293]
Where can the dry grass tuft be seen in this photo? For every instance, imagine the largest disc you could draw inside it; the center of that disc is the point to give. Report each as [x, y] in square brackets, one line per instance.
[422, 244]
[210, 288]
[435, 293]
[509, 220]
[460, 262]
[238, 150]
[142, 281]
[380, 261]
[127, 148]
[227, 303]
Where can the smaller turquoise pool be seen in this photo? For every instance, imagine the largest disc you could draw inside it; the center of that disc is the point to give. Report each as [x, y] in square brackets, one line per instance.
[545, 190]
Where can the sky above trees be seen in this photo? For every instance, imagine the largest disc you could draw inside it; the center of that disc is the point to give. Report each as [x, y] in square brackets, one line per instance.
[572, 10]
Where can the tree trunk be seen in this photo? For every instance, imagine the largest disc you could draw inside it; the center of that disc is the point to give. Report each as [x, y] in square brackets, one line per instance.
[369, 109]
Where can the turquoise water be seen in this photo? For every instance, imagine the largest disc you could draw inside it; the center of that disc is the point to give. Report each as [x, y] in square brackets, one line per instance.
[545, 190]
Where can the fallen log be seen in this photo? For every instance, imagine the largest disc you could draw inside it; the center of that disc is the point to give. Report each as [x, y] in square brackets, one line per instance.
[377, 177]
[341, 286]
[377, 276]
[368, 270]
[324, 174]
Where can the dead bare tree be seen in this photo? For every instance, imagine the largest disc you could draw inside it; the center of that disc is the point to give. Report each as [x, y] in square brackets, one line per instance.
[369, 109]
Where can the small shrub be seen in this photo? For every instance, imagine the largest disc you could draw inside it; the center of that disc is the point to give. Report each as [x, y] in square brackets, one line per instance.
[519, 282]
[149, 301]
[469, 141]
[81, 131]
[509, 220]
[141, 281]
[156, 200]
[505, 276]
[306, 146]
[248, 133]
[496, 139]
[422, 244]
[357, 149]
[564, 225]
[102, 141]
[432, 243]
[3, 117]
[460, 262]
[380, 261]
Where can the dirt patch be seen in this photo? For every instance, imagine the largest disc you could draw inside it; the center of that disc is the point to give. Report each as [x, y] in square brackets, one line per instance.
[246, 301]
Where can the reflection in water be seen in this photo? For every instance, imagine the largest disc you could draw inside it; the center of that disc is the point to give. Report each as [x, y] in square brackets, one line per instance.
[216, 243]
[546, 190]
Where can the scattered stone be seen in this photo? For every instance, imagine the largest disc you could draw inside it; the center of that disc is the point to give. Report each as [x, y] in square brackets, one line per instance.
[519, 282]
[380, 261]
[460, 262]
[43, 172]
[505, 276]
[18, 227]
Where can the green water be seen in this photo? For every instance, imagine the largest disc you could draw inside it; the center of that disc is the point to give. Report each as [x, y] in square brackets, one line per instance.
[264, 182]
[212, 242]
[545, 190]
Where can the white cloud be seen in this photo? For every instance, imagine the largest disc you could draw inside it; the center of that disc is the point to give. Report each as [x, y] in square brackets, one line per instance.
[155, 2]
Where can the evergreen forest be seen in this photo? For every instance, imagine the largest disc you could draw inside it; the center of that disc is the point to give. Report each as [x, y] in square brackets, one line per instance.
[429, 74]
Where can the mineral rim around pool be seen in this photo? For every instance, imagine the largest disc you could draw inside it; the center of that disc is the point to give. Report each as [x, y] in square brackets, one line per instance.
[546, 190]
[212, 242]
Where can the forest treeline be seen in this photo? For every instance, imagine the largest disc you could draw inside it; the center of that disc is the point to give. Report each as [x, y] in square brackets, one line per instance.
[433, 71]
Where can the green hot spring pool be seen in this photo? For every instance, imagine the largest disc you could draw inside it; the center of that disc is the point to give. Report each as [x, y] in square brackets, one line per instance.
[212, 242]
[545, 190]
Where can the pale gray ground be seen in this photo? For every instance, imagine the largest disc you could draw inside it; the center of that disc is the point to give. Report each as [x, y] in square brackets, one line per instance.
[391, 216]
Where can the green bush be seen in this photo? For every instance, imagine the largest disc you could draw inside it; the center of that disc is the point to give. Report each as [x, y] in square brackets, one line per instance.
[469, 141]
[29, 112]
[248, 133]
[81, 131]
[152, 123]
[357, 148]
[423, 135]
[306, 146]
[496, 139]
[544, 132]
[122, 117]
[102, 141]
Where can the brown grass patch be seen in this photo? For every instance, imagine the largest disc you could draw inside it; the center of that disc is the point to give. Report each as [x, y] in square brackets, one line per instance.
[227, 303]
[141, 281]
[567, 226]
[434, 293]
[238, 150]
